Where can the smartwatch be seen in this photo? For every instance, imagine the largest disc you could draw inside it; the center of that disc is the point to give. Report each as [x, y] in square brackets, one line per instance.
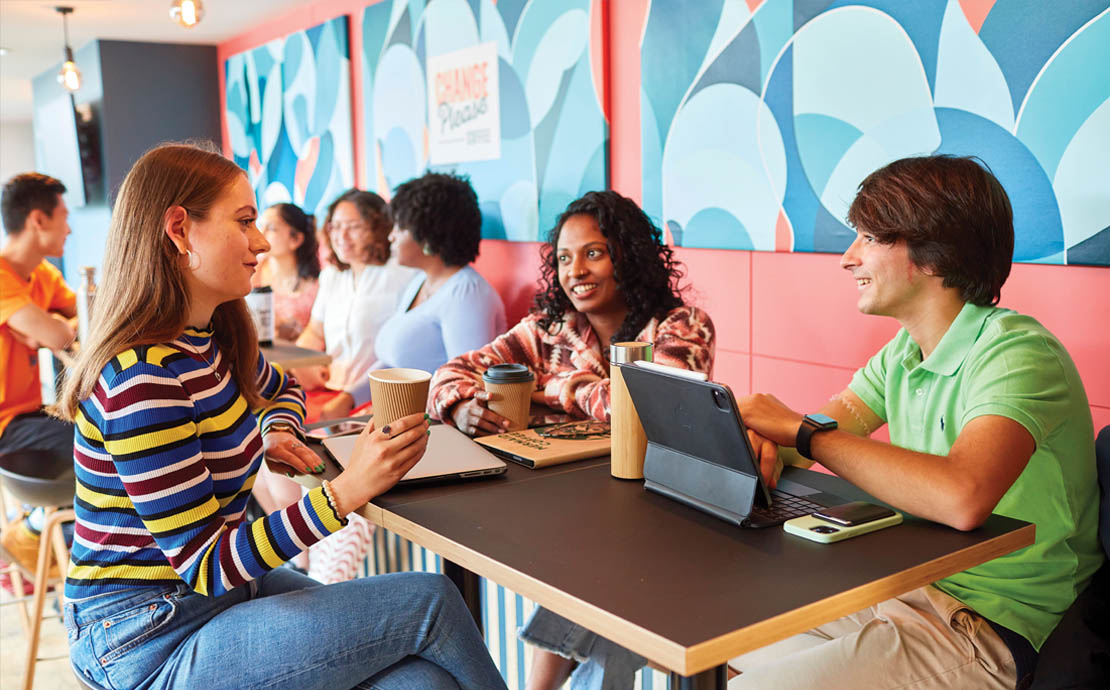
[812, 424]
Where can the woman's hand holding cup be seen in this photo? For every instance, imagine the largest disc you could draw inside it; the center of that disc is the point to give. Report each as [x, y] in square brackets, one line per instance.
[473, 416]
[379, 460]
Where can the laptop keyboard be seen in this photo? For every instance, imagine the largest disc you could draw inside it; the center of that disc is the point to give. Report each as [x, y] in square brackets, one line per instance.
[784, 507]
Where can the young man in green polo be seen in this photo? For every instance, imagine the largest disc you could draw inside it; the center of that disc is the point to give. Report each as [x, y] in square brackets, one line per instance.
[986, 414]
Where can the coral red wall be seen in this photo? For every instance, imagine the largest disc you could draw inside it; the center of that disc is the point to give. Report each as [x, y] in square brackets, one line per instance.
[786, 323]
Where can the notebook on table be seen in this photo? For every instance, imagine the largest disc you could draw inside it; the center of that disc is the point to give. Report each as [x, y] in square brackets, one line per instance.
[549, 445]
[451, 455]
[698, 452]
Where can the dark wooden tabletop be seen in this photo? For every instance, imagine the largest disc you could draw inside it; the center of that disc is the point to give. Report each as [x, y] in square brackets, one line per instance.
[676, 585]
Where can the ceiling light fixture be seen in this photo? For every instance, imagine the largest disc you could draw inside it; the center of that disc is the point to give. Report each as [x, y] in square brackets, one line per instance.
[187, 13]
[70, 76]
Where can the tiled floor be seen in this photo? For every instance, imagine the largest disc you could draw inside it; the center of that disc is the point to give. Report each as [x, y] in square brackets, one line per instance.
[50, 674]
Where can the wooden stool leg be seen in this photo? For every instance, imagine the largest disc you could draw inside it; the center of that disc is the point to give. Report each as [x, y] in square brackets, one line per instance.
[41, 569]
[15, 575]
[58, 539]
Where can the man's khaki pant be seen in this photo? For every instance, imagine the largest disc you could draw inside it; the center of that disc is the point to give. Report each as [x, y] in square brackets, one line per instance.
[921, 640]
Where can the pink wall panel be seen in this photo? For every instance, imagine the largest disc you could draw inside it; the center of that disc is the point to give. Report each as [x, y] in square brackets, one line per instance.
[1074, 303]
[512, 268]
[1101, 417]
[801, 385]
[733, 369]
[626, 22]
[720, 283]
[804, 308]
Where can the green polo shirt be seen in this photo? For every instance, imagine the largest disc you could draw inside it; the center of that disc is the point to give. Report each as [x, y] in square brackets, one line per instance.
[997, 362]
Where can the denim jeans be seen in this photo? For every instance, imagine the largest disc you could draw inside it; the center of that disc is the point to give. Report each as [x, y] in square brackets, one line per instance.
[399, 631]
[603, 665]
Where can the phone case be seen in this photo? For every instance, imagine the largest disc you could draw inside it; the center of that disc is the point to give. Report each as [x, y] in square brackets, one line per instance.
[830, 532]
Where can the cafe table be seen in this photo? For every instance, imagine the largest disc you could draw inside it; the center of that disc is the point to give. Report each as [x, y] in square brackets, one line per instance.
[290, 356]
[677, 586]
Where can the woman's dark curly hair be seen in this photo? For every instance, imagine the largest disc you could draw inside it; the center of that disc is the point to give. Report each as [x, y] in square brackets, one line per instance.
[645, 269]
[375, 212]
[441, 211]
[308, 262]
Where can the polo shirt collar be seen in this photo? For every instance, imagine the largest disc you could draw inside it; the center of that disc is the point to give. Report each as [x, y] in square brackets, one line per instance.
[957, 341]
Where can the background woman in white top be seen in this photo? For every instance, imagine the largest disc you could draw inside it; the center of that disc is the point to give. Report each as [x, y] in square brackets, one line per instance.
[352, 304]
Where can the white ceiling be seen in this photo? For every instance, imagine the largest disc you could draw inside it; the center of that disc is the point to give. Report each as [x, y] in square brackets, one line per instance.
[31, 32]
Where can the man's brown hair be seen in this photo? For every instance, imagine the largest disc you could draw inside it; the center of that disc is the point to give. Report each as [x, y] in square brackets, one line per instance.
[25, 193]
[953, 215]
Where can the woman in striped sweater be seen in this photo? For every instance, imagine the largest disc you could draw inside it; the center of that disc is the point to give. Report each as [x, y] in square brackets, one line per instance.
[175, 408]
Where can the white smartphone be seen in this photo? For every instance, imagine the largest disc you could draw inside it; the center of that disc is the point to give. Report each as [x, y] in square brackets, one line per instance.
[842, 522]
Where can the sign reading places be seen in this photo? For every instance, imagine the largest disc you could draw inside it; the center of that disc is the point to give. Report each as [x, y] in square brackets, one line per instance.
[464, 115]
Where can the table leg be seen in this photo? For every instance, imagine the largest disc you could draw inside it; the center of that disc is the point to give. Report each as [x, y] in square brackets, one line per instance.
[714, 679]
[470, 585]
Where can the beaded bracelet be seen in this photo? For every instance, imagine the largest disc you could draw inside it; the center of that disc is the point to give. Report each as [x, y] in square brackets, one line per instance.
[326, 486]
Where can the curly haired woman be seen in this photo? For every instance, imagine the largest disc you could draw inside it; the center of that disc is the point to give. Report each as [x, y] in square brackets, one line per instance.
[606, 277]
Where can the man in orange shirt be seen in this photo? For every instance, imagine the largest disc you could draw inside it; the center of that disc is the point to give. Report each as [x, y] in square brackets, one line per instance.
[36, 310]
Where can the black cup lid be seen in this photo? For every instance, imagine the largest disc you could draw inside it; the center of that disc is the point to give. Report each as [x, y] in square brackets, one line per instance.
[508, 373]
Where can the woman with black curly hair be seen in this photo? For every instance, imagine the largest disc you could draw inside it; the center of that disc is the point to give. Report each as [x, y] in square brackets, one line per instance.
[606, 277]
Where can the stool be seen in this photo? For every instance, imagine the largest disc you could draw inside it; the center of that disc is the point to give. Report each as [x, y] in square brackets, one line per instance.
[38, 478]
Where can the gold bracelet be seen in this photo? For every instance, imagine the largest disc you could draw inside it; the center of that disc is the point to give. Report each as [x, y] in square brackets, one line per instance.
[326, 486]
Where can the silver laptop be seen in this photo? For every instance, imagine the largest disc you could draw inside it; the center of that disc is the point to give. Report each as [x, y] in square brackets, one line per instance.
[451, 455]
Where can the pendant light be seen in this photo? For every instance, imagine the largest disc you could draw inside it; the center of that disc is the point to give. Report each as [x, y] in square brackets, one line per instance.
[69, 76]
[187, 13]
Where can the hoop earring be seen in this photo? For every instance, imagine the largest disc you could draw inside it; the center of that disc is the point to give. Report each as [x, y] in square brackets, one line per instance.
[194, 260]
[427, 249]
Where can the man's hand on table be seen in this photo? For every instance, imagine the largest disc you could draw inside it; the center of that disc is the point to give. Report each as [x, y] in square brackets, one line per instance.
[771, 424]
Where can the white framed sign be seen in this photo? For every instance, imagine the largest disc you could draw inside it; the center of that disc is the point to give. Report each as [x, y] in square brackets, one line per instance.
[464, 106]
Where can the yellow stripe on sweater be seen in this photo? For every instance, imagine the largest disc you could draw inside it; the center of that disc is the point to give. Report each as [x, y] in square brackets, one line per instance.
[131, 572]
[224, 420]
[202, 573]
[193, 516]
[319, 503]
[87, 429]
[262, 542]
[149, 442]
[99, 500]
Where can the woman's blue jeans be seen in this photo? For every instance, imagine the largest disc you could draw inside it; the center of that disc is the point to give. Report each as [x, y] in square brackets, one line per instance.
[285, 630]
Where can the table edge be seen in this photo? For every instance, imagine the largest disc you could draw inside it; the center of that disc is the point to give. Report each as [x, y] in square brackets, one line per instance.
[705, 655]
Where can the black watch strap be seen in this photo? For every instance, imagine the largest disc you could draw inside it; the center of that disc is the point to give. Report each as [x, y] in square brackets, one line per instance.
[811, 424]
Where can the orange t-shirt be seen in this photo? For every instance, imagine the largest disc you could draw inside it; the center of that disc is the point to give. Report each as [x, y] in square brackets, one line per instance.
[20, 390]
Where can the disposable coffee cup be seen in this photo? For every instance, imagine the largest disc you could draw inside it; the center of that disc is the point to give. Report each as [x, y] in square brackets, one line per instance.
[510, 387]
[260, 303]
[397, 393]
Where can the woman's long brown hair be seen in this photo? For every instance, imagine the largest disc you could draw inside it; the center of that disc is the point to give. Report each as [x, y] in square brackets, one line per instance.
[143, 298]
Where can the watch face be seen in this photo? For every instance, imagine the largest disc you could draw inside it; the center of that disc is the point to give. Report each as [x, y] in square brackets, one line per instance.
[821, 421]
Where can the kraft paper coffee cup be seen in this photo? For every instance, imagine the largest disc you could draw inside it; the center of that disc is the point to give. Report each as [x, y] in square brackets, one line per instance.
[397, 393]
[510, 387]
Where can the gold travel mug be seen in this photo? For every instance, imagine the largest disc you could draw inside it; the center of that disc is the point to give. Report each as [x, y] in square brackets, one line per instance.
[629, 441]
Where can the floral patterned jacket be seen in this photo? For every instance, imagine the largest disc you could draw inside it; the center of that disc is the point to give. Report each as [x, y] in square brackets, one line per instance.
[568, 364]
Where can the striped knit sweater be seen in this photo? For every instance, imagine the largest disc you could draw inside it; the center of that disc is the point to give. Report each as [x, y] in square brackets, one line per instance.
[568, 363]
[166, 452]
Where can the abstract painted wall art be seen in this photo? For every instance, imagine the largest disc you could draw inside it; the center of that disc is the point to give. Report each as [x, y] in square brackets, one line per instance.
[554, 133]
[289, 116]
[759, 118]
